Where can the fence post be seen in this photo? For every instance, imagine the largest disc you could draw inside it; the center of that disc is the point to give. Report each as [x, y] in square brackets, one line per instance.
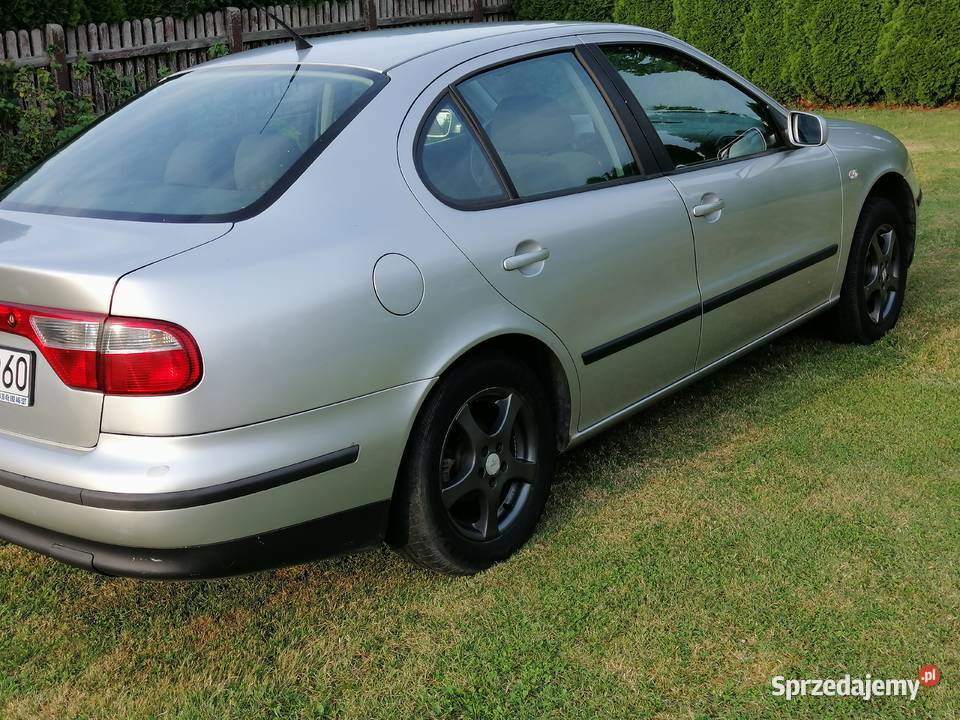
[234, 27]
[56, 45]
[370, 14]
[478, 10]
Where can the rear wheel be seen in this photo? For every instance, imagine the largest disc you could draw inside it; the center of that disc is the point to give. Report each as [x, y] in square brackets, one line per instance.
[876, 276]
[477, 471]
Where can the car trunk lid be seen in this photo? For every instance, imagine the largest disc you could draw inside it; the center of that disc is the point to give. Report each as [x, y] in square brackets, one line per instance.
[71, 263]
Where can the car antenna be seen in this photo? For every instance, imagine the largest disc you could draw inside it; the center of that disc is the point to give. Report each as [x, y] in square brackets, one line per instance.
[299, 39]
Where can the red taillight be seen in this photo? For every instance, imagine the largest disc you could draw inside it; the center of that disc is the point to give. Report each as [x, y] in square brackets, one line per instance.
[68, 340]
[117, 356]
[147, 357]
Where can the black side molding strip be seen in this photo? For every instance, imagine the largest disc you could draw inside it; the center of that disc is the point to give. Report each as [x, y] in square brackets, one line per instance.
[668, 323]
[184, 498]
[761, 282]
[347, 531]
[638, 336]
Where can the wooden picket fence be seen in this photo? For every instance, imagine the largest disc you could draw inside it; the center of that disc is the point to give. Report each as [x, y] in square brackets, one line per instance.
[144, 50]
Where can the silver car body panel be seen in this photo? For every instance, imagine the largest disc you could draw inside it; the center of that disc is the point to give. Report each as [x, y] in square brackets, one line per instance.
[73, 264]
[865, 154]
[653, 398]
[301, 359]
[309, 306]
[780, 209]
[383, 50]
[142, 465]
[621, 258]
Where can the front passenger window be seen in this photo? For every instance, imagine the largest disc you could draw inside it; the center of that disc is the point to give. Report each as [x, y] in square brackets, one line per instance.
[549, 124]
[699, 116]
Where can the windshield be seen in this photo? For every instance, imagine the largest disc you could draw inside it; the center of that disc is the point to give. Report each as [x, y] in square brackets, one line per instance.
[211, 145]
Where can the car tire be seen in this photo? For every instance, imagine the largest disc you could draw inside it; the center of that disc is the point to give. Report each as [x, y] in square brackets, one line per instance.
[876, 277]
[477, 469]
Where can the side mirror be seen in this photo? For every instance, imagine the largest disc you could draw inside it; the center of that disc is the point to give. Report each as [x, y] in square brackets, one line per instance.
[442, 125]
[806, 129]
[750, 142]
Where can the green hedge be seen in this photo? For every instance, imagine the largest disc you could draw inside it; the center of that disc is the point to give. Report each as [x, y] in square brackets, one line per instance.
[823, 51]
[713, 24]
[919, 52]
[656, 14]
[593, 10]
[764, 46]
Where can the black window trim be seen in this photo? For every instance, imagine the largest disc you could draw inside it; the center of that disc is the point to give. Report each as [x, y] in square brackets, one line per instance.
[666, 164]
[503, 180]
[286, 181]
[493, 157]
[637, 143]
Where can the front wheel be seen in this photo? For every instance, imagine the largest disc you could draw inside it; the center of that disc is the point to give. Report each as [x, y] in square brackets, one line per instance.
[478, 467]
[876, 278]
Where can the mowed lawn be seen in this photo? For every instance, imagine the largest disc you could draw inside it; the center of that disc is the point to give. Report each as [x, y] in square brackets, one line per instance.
[796, 514]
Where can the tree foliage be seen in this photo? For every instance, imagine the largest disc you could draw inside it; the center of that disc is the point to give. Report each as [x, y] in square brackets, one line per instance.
[918, 60]
[711, 24]
[592, 10]
[825, 51]
[655, 14]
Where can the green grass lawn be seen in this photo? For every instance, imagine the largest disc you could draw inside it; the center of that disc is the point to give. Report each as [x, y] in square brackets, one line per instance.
[795, 514]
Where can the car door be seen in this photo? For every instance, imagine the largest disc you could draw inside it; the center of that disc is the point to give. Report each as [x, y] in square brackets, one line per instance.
[525, 165]
[766, 216]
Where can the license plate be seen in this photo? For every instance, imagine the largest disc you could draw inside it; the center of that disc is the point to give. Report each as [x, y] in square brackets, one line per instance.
[16, 377]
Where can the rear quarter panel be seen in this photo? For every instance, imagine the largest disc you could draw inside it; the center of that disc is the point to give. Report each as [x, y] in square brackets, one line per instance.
[284, 308]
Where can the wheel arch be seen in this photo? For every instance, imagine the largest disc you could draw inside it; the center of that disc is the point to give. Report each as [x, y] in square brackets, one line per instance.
[562, 384]
[543, 360]
[894, 187]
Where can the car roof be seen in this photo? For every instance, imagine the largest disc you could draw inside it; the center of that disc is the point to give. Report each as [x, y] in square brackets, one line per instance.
[382, 50]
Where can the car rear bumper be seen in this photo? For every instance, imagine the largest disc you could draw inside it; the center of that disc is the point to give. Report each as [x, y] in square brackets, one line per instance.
[343, 532]
[229, 502]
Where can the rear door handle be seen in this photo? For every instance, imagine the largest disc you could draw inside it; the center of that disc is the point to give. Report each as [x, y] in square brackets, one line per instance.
[515, 262]
[709, 208]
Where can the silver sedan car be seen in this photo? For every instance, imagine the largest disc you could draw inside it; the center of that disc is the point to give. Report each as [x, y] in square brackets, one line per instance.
[315, 297]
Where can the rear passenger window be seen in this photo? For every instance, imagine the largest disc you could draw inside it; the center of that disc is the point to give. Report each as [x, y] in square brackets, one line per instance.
[452, 161]
[549, 124]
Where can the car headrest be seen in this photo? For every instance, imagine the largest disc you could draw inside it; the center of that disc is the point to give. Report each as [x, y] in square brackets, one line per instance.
[199, 162]
[262, 159]
[530, 124]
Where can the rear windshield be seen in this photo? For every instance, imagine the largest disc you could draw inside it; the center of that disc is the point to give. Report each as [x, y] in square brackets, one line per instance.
[211, 145]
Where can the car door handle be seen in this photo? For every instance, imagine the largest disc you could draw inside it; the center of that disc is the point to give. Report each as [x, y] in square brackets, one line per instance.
[515, 262]
[709, 208]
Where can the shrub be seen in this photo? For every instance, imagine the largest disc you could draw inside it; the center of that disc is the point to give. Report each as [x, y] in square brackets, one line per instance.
[711, 26]
[918, 60]
[654, 14]
[836, 43]
[829, 51]
[36, 117]
[765, 47]
[591, 10]
[22, 14]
